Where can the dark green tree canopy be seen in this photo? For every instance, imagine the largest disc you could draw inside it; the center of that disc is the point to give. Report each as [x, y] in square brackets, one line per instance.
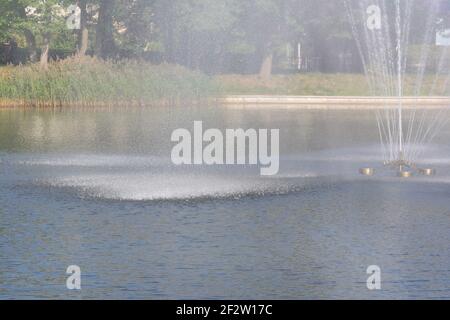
[201, 34]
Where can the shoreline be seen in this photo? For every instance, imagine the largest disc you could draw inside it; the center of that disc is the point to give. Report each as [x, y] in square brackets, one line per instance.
[333, 102]
[258, 101]
[22, 104]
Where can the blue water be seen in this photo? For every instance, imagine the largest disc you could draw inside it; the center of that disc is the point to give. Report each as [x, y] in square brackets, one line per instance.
[95, 188]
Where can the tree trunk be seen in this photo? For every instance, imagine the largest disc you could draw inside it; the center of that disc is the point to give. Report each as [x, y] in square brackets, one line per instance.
[84, 42]
[30, 39]
[169, 22]
[83, 33]
[44, 55]
[266, 67]
[104, 44]
[31, 44]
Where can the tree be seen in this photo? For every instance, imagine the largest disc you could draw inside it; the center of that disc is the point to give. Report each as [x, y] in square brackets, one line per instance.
[83, 32]
[165, 18]
[196, 33]
[13, 22]
[326, 30]
[105, 45]
[44, 18]
[267, 25]
[135, 30]
[37, 20]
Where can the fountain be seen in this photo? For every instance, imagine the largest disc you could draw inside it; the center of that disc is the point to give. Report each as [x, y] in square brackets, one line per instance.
[383, 33]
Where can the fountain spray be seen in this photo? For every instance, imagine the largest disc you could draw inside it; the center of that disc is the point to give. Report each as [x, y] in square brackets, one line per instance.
[391, 70]
[399, 80]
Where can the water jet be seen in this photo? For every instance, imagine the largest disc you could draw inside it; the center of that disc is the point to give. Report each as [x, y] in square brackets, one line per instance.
[387, 43]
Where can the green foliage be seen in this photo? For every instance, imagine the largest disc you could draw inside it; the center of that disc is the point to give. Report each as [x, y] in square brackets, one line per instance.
[11, 18]
[89, 81]
[42, 18]
[199, 34]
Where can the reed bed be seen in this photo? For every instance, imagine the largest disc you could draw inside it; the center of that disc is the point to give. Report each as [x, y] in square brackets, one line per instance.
[92, 82]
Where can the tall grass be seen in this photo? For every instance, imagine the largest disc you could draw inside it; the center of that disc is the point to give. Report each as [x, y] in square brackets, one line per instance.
[88, 81]
[91, 82]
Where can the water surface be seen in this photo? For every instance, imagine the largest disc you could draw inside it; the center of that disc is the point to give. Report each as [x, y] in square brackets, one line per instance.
[96, 188]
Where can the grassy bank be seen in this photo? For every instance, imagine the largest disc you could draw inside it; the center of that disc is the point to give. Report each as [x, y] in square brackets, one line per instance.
[89, 81]
[317, 85]
[92, 82]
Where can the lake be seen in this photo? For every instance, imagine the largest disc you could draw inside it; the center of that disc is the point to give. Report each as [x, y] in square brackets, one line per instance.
[97, 188]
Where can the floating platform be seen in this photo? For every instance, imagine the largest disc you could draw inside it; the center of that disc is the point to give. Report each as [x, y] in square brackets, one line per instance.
[427, 172]
[402, 171]
[367, 171]
[405, 174]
